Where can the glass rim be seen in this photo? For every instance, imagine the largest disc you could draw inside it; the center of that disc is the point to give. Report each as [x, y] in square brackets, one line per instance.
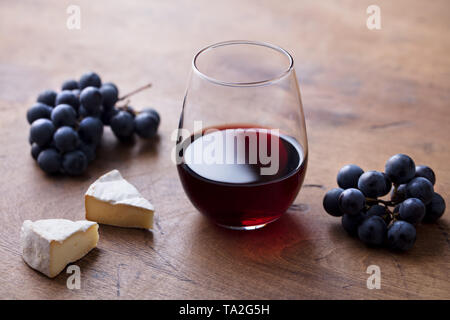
[243, 84]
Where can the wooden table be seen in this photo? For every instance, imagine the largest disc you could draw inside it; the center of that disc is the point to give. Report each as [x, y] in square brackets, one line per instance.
[367, 94]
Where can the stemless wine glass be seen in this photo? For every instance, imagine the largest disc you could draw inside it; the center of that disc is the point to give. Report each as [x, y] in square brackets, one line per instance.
[242, 149]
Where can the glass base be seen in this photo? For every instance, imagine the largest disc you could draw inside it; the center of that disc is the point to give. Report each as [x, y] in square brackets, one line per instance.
[255, 227]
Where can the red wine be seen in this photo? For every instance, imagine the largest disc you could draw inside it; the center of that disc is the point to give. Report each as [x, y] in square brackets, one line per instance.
[242, 177]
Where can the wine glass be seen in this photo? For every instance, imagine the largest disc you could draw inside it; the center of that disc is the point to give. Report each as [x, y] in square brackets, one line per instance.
[241, 146]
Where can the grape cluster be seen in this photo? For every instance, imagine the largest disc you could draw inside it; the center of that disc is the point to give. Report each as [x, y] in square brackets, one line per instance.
[378, 222]
[67, 127]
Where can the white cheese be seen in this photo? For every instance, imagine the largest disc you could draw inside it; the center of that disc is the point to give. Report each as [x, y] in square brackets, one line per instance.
[114, 201]
[49, 245]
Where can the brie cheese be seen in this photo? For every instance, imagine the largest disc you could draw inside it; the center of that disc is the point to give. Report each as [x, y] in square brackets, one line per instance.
[49, 245]
[114, 201]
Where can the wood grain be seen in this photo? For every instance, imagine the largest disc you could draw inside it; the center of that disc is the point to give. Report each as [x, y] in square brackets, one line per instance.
[367, 95]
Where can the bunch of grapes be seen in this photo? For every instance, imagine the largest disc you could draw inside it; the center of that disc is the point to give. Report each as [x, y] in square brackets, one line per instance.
[67, 127]
[379, 222]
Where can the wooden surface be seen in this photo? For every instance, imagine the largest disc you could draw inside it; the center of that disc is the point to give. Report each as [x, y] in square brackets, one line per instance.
[367, 95]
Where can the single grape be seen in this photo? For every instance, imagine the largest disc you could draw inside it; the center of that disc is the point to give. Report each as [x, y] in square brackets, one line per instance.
[420, 188]
[107, 116]
[350, 223]
[372, 184]
[122, 124]
[90, 79]
[112, 85]
[399, 194]
[68, 97]
[412, 210]
[435, 209]
[47, 97]
[70, 85]
[74, 163]
[64, 115]
[400, 168]
[376, 210]
[91, 99]
[91, 130]
[401, 235]
[66, 139]
[146, 125]
[41, 132]
[35, 150]
[49, 160]
[38, 111]
[348, 176]
[110, 96]
[426, 172]
[156, 115]
[351, 201]
[88, 150]
[331, 202]
[372, 231]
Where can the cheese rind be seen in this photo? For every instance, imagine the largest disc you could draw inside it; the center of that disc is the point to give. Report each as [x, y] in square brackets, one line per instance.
[49, 245]
[114, 201]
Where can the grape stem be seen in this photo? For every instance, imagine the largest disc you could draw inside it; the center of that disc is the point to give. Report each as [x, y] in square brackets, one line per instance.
[386, 203]
[148, 85]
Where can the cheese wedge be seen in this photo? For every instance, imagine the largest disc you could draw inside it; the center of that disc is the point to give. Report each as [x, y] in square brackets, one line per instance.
[49, 245]
[114, 201]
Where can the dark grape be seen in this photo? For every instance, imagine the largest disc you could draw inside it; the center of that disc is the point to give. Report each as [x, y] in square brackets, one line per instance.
[110, 96]
[331, 202]
[372, 231]
[412, 210]
[66, 139]
[351, 201]
[90, 79]
[350, 223]
[400, 168]
[107, 116]
[112, 85]
[122, 124]
[88, 150]
[156, 115]
[372, 184]
[427, 173]
[68, 97]
[348, 176]
[35, 150]
[91, 130]
[91, 99]
[47, 97]
[435, 209]
[401, 236]
[146, 125]
[70, 85]
[49, 160]
[376, 210]
[41, 132]
[399, 194]
[74, 163]
[64, 115]
[420, 188]
[38, 111]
